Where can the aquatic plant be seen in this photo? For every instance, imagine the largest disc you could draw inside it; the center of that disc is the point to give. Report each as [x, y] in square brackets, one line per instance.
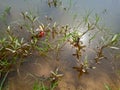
[12, 52]
[107, 87]
[48, 38]
[29, 16]
[54, 3]
[110, 42]
[38, 86]
[55, 75]
[42, 86]
[3, 80]
[10, 49]
[5, 14]
[52, 81]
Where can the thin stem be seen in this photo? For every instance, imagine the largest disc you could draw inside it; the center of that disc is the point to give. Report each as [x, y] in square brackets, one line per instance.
[1, 85]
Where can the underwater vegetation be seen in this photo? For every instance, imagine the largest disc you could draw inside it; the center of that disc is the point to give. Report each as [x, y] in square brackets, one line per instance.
[52, 81]
[49, 38]
[4, 15]
[54, 3]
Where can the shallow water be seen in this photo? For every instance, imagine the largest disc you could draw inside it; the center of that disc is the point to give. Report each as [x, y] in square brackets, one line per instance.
[108, 10]
[37, 66]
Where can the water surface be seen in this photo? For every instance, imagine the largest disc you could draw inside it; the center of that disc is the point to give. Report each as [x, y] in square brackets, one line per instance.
[37, 66]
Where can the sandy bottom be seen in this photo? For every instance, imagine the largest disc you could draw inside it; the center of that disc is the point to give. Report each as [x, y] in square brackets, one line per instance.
[104, 74]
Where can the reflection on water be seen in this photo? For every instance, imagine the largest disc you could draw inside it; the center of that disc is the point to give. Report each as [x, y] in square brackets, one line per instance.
[38, 66]
[108, 10]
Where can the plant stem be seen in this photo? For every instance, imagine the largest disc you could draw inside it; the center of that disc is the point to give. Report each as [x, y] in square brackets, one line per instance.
[1, 85]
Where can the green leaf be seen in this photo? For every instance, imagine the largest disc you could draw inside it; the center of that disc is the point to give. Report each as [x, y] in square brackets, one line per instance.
[54, 85]
[93, 37]
[115, 37]
[107, 87]
[22, 40]
[36, 86]
[13, 51]
[3, 80]
[10, 37]
[116, 48]
[3, 40]
[7, 10]
[97, 18]
[43, 86]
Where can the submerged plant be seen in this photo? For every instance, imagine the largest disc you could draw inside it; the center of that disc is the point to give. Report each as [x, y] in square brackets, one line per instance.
[111, 42]
[55, 75]
[54, 3]
[12, 52]
[46, 39]
[83, 67]
[5, 14]
[48, 83]
[38, 86]
[29, 16]
[3, 80]
[107, 87]
[80, 69]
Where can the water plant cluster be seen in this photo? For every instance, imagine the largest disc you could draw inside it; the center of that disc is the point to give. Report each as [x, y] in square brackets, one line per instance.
[4, 15]
[48, 83]
[54, 3]
[46, 38]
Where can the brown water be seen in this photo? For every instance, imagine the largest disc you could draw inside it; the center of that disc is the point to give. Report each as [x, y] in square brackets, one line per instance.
[37, 66]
